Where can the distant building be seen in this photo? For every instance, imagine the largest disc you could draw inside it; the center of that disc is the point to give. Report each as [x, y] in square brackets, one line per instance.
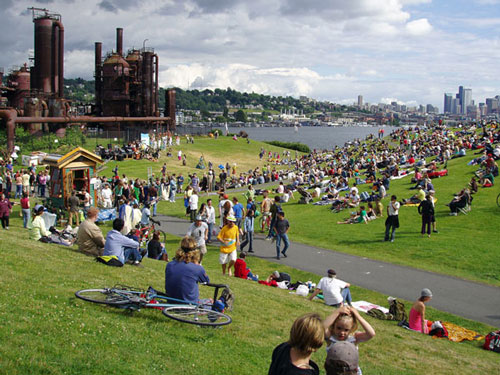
[360, 101]
[447, 102]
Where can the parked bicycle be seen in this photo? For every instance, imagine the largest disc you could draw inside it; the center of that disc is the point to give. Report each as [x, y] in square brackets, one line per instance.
[134, 299]
[145, 234]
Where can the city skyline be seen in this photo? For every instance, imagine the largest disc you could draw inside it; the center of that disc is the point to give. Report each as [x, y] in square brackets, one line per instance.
[404, 51]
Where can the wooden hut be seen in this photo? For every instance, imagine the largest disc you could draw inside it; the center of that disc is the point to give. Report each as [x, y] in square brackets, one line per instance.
[74, 171]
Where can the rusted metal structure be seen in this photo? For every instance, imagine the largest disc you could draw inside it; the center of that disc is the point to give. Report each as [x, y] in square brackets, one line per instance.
[126, 88]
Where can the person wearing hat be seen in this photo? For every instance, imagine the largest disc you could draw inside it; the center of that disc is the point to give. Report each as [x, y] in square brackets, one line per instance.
[417, 320]
[335, 292]
[342, 359]
[184, 272]
[199, 232]
[229, 236]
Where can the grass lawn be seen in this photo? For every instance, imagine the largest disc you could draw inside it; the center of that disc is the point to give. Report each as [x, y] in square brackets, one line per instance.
[46, 330]
[219, 151]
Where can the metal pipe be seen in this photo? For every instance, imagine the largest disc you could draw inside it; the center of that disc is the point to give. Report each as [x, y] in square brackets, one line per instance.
[9, 115]
[89, 119]
[119, 41]
[156, 97]
[98, 77]
[61, 58]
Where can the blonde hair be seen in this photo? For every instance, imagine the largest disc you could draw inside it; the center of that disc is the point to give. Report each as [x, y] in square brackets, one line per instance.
[307, 333]
[345, 317]
[188, 251]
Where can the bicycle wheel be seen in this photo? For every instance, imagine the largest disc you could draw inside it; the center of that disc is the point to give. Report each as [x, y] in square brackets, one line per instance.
[196, 315]
[498, 200]
[103, 296]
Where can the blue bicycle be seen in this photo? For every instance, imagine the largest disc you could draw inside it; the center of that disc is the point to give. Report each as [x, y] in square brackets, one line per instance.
[134, 299]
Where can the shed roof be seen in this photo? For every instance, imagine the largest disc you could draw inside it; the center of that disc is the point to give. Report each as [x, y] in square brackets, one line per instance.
[71, 156]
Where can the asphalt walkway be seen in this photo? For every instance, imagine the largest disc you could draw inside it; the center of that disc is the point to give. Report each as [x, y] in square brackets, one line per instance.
[468, 299]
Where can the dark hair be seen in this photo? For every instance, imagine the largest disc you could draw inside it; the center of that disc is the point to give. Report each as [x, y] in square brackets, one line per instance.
[281, 213]
[243, 254]
[277, 198]
[118, 224]
[393, 197]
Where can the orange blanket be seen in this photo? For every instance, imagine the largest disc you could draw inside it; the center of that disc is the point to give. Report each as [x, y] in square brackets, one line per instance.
[459, 334]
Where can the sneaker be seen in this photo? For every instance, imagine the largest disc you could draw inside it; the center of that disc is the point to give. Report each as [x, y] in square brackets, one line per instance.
[251, 251]
[435, 231]
[278, 258]
[284, 255]
[136, 263]
[268, 238]
[392, 240]
[7, 228]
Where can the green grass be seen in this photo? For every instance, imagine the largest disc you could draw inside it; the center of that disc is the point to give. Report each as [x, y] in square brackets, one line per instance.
[46, 330]
[465, 247]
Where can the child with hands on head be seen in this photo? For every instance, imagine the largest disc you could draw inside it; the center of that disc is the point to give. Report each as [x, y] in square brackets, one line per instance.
[342, 325]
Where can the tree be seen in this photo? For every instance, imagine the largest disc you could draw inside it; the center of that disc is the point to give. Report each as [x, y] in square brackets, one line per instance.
[226, 112]
[240, 115]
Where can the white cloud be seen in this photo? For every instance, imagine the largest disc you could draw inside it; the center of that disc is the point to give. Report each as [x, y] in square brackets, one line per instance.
[419, 27]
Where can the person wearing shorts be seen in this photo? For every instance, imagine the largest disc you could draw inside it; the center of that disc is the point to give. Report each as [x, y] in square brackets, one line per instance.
[229, 236]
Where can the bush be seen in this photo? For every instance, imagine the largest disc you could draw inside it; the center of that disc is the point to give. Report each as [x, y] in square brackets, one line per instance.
[292, 146]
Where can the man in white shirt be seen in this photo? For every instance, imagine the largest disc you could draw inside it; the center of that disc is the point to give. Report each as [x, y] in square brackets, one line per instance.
[210, 219]
[335, 292]
[199, 231]
[193, 206]
[107, 195]
[392, 220]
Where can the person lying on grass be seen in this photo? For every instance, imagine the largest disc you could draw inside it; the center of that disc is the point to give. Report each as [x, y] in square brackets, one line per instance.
[356, 217]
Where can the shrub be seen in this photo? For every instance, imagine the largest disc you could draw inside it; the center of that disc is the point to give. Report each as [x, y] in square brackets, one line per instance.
[292, 146]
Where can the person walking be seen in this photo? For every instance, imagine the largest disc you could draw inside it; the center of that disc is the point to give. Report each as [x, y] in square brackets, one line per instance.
[426, 209]
[73, 208]
[210, 219]
[392, 221]
[248, 227]
[281, 227]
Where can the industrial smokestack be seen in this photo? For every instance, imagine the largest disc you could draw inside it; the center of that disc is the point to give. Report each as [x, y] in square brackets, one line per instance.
[98, 77]
[119, 41]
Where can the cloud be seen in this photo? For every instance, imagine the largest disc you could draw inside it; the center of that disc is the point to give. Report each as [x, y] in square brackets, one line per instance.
[419, 27]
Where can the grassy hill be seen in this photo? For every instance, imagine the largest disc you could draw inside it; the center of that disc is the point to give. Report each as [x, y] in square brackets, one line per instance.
[46, 330]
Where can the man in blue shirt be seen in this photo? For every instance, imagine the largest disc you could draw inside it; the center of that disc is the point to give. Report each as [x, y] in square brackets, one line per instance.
[121, 246]
[183, 274]
[238, 212]
[146, 213]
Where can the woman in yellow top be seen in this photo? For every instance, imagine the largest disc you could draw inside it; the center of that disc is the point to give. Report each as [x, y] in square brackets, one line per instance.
[229, 236]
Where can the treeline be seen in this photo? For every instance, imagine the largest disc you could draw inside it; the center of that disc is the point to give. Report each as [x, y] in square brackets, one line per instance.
[292, 146]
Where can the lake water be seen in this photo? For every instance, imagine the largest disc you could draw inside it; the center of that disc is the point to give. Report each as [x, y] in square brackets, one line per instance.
[318, 137]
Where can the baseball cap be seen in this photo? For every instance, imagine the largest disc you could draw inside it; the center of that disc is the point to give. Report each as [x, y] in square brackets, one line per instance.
[38, 207]
[331, 272]
[426, 293]
[198, 218]
[231, 218]
[342, 358]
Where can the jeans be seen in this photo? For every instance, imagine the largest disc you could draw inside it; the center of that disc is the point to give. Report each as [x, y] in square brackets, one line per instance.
[172, 195]
[388, 230]
[19, 191]
[280, 237]
[130, 253]
[210, 230]
[154, 209]
[5, 222]
[252, 277]
[42, 191]
[26, 217]
[346, 295]
[248, 241]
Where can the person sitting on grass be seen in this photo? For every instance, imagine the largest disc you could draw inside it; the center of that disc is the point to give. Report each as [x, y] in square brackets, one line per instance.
[294, 356]
[183, 274]
[241, 270]
[38, 230]
[124, 248]
[356, 217]
[90, 239]
[156, 249]
[417, 320]
[417, 198]
[335, 292]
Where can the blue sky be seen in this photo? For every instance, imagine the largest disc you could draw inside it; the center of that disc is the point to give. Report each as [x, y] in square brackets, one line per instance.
[411, 51]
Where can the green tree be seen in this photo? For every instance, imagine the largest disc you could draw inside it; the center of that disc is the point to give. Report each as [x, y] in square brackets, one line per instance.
[226, 112]
[240, 115]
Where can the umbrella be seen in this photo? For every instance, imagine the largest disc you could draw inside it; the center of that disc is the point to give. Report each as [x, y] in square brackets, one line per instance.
[221, 166]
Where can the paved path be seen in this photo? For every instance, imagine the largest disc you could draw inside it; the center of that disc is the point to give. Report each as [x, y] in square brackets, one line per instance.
[468, 299]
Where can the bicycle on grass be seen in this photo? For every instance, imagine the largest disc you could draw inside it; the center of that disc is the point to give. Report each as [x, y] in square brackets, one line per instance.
[133, 299]
[498, 200]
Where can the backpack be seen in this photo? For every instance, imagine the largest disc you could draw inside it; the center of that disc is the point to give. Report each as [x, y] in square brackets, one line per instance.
[379, 314]
[492, 341]
[227, 298]
[109, 260]
[397, 309]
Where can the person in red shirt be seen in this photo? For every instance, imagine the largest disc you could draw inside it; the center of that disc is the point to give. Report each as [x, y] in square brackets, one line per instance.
[25, 206]
[242, 271]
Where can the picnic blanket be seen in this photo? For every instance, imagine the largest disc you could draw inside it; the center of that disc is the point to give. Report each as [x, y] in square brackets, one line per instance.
[365, 306]
[106, 214]
[459, 334]
[416, 204]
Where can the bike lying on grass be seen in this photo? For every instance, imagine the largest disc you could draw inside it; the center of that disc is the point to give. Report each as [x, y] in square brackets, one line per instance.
[134, 299]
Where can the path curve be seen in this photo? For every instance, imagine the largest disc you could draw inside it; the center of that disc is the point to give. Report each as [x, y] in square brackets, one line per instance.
[468, 299]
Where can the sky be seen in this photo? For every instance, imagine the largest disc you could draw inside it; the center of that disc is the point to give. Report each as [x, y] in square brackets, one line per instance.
[409, 51]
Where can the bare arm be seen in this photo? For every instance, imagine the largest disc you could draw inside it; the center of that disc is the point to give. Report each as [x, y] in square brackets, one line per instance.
[315, 293]
[369, 331]
[331, 318]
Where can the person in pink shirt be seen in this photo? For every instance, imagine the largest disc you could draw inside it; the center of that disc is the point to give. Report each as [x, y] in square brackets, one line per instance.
[417, 319]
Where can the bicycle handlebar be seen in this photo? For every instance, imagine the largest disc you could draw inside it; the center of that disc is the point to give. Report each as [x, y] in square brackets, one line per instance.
[154, 221]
